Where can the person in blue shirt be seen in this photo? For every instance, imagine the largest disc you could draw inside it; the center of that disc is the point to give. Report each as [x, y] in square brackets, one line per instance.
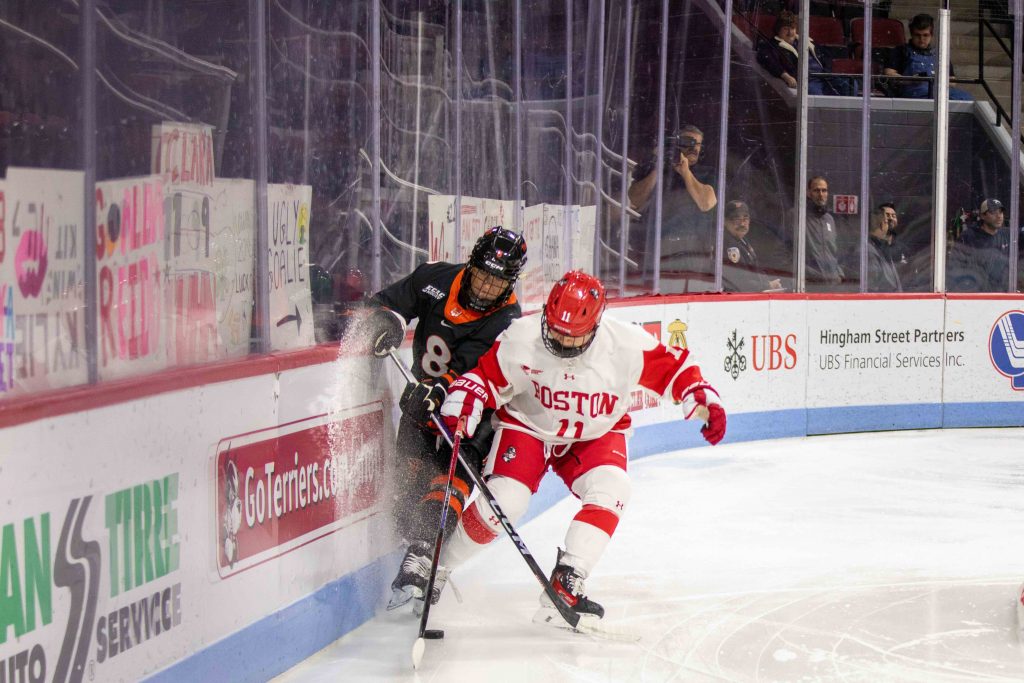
[917, 58]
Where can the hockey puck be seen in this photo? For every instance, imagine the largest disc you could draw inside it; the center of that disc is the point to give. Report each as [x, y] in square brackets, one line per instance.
[433, 634]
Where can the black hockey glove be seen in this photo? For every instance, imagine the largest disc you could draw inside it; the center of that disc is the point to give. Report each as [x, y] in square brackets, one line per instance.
[387, 330]
[421, 399]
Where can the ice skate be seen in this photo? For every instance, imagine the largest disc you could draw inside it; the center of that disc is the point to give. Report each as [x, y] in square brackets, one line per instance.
[568, 585]
[411, 581]
[439, 583]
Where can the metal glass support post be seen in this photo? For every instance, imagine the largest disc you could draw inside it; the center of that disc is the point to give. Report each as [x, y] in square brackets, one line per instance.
[865, 148]
[258, 51]
[659, 165]
[624, 196]
[457, 61]
[800, 191]
[517, 84]
[567, 223]
[416, 140]
[599, 142]
[941, 158]
[1018, 64]
[88, 131]
[723, 142]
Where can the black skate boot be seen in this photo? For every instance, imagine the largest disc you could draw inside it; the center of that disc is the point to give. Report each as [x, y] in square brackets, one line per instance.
[411, 581]
[568, 584]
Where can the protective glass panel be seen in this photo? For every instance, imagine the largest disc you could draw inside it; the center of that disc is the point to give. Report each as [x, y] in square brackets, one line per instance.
[759, 217]
[320, 208]
[174, 192]
[645, 143]
[978, 189]
[616, 218]
[42, 234]
[418, 138]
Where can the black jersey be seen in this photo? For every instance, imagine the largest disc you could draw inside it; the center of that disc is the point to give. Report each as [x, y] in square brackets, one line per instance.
[448, 339]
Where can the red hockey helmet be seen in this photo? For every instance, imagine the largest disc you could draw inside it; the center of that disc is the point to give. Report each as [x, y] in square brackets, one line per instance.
[572, 314]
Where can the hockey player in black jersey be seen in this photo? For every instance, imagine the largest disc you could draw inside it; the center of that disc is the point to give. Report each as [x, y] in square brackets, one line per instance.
[461, 309]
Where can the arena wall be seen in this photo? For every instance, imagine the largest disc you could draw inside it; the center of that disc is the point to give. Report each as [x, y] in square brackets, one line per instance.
[227, 522]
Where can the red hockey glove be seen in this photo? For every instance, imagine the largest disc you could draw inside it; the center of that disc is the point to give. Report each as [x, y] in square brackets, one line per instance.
[700, 402]
[466, 398]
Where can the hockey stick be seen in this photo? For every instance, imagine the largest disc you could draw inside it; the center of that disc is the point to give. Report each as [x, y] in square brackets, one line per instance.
[421, 644]
[570, 617]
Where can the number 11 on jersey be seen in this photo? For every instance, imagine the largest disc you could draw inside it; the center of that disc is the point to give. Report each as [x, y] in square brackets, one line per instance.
[577, 427]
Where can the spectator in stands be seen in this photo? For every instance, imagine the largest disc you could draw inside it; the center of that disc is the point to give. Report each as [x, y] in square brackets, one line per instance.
[823, 267]
[780, 57]
[979, 260]
[740, 270]
[687, 220]
[882, 274]
[917, 58]
[897, 246]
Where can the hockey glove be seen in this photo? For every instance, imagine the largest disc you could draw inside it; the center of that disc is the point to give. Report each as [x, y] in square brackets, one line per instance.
[700, 402]
[421, 399]
[387, 330]
[466, 398]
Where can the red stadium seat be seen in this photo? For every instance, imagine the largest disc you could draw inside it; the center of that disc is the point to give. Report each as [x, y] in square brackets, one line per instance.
[885, 34]
[848, 66]
[827, 32]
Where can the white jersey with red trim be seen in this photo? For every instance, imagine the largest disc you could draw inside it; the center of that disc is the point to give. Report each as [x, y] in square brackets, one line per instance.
[563, 400]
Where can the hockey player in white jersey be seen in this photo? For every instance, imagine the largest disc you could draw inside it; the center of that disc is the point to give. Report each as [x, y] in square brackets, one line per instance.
[560, 383]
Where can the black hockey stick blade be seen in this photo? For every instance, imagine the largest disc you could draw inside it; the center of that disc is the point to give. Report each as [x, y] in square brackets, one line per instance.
[570, 617]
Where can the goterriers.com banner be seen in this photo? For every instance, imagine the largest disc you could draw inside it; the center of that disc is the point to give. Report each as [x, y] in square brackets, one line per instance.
[284, 487]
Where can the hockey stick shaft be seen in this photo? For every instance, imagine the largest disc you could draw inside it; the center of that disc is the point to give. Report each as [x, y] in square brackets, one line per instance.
[570, 617]
[440, 529]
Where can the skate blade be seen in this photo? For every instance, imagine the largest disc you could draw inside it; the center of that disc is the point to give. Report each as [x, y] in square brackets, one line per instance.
[400, 597]
[589, 624]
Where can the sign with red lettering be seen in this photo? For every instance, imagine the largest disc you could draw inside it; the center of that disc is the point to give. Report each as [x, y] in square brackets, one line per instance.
[281, 488]
[130, 270]
[182, 154]
[844, 204]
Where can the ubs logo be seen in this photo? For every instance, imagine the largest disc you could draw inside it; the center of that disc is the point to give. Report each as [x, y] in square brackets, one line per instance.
[1006, 347]
[768, 352]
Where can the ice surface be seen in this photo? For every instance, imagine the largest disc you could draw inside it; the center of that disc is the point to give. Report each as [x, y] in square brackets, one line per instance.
[872, 557]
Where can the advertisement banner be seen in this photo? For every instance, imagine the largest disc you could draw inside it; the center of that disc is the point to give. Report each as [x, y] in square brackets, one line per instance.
[984, 345]
[860, 351]
[291, 303]
[46, 251]
[91, 581]
[7, 287]
[131, 277]
[281, 488]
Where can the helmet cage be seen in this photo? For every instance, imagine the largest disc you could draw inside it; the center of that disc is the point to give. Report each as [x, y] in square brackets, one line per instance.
[573, 310]
[559, 349]
[498, 252]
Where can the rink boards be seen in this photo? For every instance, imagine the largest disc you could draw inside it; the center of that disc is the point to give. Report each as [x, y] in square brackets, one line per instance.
[230, 523]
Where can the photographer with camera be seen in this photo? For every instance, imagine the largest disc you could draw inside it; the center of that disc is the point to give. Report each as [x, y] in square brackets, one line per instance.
[687, 221]
[917, 58]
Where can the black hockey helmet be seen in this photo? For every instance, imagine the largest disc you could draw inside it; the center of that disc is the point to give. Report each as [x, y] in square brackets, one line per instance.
[498, 252]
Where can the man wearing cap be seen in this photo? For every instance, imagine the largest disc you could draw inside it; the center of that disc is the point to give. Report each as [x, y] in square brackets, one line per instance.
[980, 259]
[740, 272]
